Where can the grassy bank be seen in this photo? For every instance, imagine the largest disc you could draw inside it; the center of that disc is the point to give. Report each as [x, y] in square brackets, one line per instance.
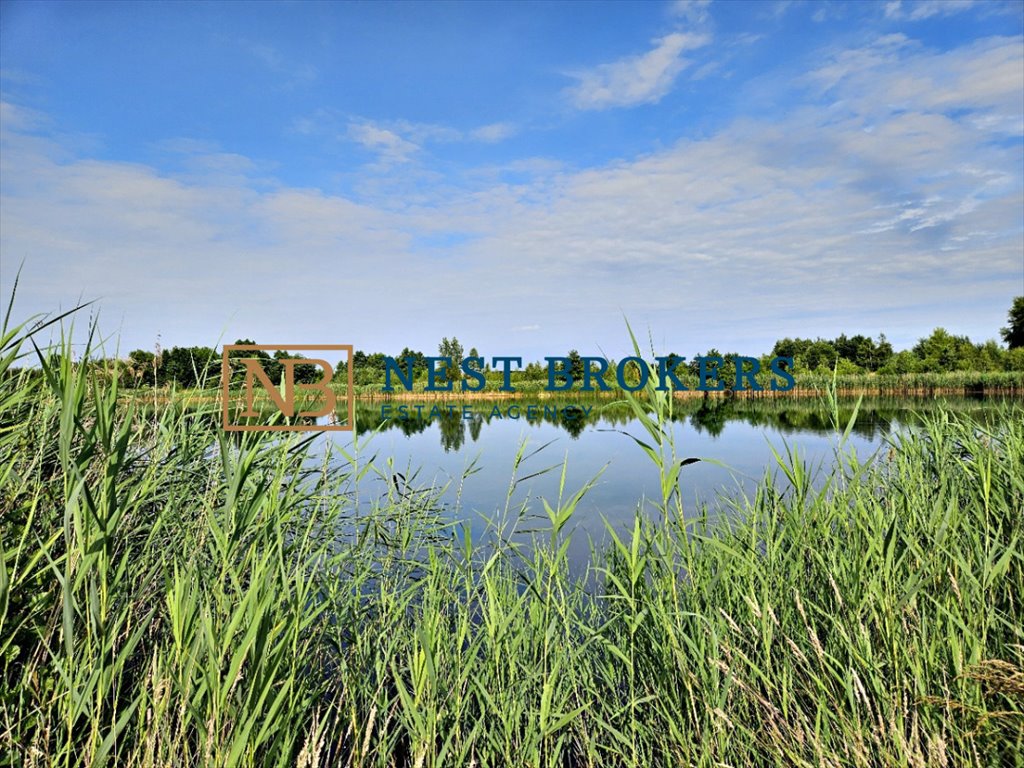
[813, 385]
[171, 596]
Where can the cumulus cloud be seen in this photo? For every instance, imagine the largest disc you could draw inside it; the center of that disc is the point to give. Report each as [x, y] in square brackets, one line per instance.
[633, 80]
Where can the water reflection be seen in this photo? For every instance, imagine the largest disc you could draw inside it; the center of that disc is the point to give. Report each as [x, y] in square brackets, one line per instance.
[456, 429]
[471, 458]
[710, 416]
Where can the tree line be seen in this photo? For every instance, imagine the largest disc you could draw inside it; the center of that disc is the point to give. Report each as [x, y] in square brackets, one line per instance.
[201, 366]
[939, 352]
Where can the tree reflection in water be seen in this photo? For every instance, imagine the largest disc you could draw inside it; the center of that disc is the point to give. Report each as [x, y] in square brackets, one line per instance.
[787, 415]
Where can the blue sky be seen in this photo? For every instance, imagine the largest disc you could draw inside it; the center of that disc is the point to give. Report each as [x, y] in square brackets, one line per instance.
[519, 175]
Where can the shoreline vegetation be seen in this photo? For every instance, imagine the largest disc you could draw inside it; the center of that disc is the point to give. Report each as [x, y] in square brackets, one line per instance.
[937, 365]
[917, 386]
[913, 385]
[172, 595]
[940, 361]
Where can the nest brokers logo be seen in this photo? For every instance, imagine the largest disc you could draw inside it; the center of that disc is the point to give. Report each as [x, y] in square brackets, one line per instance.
[290, 392]
[251, 397]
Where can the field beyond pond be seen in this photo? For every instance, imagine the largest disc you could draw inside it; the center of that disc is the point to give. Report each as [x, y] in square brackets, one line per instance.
[172, 595]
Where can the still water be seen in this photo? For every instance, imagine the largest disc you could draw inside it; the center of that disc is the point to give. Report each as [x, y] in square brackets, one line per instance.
[472, 459]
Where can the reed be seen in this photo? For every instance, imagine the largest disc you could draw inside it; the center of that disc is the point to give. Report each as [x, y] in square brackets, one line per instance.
[170, 596]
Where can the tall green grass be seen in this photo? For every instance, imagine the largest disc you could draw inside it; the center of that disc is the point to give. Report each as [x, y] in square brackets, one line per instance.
[170, 596]
[962, 382]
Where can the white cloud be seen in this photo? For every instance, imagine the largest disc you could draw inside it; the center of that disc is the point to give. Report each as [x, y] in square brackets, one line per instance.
[926, 9]
[432, 133]
[493, 132]
[780, 8]
[423, 133]
[14, 117]
[889, 181]
[986, 78]
[636, 80]
[396, 141]
[695, 12]
[386, 143]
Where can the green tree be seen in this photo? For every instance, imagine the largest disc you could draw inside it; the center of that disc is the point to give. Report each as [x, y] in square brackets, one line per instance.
[304, 374]
[724, 372]
[793, 348]
[904, 361]
[942, 351]
[189, 366]
[373, 371]
[453, 349]
[853, 348]
[883, 352]
[819, 354]
[1015, 360]
[1013, 334]
[419, 362]
[141, 368]
[269, 364]
[576, 365]
[672, 359]
[366, 369]
[534, 372]
[990, 356]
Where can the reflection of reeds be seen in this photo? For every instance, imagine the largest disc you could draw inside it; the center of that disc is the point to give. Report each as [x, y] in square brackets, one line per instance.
[163, 602]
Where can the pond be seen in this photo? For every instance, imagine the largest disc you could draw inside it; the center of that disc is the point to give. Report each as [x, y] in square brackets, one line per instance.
[472, 459]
